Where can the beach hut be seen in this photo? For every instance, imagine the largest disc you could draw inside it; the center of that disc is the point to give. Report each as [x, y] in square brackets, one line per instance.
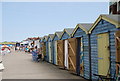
[62, 48]
[44, 47]
[79, 50]
[102, 42]
[50, 47]
[56, 37]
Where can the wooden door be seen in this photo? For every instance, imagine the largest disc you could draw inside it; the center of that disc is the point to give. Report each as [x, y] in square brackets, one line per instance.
[72, 54]
[55, 52]
[66, 54]
[103, 54]
[44, 49]
[49, 52]
[81, 58]
[117, 35]
[60, 53]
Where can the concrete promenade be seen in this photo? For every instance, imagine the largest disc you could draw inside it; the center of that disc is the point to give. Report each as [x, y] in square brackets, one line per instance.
[19, 65]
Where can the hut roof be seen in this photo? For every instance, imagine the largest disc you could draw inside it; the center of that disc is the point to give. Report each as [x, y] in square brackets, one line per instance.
[68, 31]
[45, 37]
[58, 34]
[114, 19]
[51, 36]
[84, 26]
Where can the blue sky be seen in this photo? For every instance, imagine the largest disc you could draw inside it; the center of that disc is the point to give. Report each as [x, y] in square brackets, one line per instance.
[21, 20]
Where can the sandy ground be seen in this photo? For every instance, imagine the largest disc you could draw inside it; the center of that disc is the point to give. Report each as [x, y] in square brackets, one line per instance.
[19, 65]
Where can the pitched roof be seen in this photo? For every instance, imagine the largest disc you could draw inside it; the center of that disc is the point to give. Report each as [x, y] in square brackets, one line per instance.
[51, 36]
[114, 19]
[45, 37]
[68, 31]
[87, 26]
[84, 26]
[59, 34]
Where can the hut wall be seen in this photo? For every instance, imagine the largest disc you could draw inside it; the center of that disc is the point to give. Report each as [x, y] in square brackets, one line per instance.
[102, 27]
[55, 38]
[65, 36]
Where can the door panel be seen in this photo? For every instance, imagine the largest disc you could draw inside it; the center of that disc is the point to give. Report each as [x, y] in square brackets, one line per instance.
[56, 53]
[49, 47]
[103, 54]
[44, 51]
[81, 58]
[66, 53]
[60, 53]
[117, 34]
[72, 54]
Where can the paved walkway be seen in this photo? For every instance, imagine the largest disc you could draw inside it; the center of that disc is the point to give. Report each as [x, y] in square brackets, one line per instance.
[19, 65]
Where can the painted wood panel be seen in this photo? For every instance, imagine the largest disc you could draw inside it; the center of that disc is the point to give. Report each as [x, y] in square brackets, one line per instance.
[103, 54]
[55, 53]
[60, 52]
[66, 54]
[117, 34]
[49, 52]
[72, 54]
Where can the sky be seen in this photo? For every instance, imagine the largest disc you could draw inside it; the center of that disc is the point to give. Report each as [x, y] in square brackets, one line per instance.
[21, 20]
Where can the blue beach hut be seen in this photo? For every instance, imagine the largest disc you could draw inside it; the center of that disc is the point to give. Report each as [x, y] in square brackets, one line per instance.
[102, 42]
[44, 47]
[80, 46]
[50, 47]
[56, 37]
[63, 48]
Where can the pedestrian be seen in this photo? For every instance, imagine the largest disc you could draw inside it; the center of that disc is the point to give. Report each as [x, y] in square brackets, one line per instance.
[39, 54]
[34, 54]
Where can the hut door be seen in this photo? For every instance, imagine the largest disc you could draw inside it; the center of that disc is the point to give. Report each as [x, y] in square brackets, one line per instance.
[49, 47]
[60, 53]
[55, 52]
[72, 54]
[81, 58]
[103, 54]
[117, 34]
[66, 53]
[44, 49]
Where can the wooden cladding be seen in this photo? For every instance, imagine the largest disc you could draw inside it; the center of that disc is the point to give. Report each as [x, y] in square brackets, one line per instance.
[60, 51]
[72, 44]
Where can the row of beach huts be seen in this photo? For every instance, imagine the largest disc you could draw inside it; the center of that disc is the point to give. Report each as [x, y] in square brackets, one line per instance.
[88, 50]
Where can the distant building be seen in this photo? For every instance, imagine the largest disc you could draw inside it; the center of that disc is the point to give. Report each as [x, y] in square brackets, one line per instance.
[114, 7]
